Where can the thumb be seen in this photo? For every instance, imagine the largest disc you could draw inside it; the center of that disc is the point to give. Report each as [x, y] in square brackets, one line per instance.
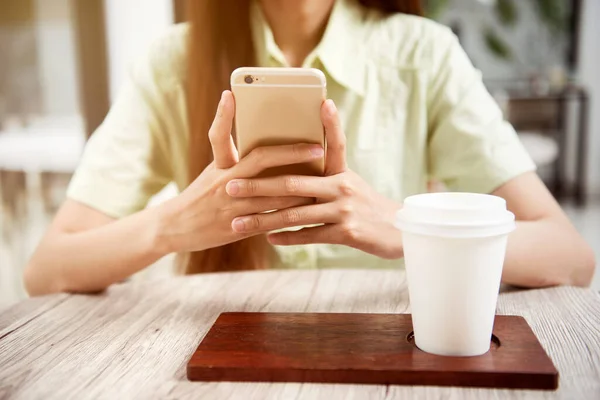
[336, 139]
[224, 151]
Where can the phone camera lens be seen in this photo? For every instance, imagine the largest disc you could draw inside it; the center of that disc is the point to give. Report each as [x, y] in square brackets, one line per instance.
[248, 79]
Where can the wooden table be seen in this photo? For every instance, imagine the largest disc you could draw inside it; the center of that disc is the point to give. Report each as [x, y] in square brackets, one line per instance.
[134, 340]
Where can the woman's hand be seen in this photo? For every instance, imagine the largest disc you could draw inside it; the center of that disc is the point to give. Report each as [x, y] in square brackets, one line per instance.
[351, 212]
[201, 217]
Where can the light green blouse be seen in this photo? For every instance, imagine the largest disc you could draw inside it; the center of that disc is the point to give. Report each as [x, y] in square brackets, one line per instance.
[412, 107]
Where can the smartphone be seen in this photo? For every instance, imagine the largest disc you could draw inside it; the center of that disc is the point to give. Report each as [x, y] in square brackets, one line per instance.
[279, 106]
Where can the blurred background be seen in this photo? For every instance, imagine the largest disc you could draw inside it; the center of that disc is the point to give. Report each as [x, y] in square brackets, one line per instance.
[62, 63]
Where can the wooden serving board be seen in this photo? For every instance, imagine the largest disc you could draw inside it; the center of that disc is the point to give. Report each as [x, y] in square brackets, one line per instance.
[362, 349]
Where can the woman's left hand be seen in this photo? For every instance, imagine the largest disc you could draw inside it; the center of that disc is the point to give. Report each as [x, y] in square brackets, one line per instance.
[347, 210]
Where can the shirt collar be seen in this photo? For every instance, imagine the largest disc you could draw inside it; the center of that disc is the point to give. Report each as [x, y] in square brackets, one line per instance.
[340, 50]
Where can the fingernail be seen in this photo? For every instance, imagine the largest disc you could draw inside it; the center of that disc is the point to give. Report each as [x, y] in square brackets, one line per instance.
[238, 225]
[223, 95]
[317, 151]
[232, 188]
[271, 239]
[330, 107]
[220, 106]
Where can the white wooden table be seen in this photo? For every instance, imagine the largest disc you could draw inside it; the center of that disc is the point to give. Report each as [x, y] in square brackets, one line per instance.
[134, 340]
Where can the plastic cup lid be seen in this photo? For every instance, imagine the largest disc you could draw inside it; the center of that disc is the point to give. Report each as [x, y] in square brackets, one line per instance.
[455, 215]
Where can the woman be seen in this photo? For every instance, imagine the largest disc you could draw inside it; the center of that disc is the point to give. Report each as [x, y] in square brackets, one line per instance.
[411, 107]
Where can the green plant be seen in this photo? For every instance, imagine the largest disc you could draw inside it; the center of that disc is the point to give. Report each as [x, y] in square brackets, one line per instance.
[435, 8]
[507, 12]
[497, 45]
[553, 14]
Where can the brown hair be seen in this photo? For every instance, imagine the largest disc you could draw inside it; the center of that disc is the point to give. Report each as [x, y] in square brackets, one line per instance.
[221, 41]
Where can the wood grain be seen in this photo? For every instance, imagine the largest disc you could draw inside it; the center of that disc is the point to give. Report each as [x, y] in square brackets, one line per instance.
[134, 340]
[361, 348]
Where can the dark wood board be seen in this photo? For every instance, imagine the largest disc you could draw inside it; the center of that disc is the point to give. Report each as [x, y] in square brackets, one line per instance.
[362, 349]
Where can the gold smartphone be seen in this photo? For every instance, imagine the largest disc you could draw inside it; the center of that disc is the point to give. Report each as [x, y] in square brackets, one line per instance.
[279, 106]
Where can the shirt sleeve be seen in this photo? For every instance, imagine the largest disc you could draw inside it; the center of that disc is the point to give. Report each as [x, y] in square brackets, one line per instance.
[471, 147]
[125, 162]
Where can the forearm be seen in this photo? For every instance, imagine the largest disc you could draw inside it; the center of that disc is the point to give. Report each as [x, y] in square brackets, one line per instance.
[547, 253]
[91, 260]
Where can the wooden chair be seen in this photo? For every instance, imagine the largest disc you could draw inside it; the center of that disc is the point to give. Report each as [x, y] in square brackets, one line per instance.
[550, 116]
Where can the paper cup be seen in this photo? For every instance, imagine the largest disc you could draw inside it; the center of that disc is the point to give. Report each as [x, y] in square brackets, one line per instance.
[454, 248]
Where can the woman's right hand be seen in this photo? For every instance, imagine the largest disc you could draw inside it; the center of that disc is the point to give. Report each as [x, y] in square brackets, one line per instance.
[200, 217]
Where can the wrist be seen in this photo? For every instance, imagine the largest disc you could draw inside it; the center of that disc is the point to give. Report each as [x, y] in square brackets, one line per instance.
[397, 250]
[163, 230]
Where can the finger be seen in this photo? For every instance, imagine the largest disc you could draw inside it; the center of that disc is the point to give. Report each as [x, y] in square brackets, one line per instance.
[328, 234]
[259, 205]
[290, 185]
[290, 217]
[223, 148]
[335, 162]
[266, 157]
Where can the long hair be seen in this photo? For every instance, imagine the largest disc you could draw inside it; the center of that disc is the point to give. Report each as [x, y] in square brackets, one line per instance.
[220, 41]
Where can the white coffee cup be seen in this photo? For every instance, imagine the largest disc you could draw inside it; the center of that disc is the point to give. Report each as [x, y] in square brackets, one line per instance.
[454, 248]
